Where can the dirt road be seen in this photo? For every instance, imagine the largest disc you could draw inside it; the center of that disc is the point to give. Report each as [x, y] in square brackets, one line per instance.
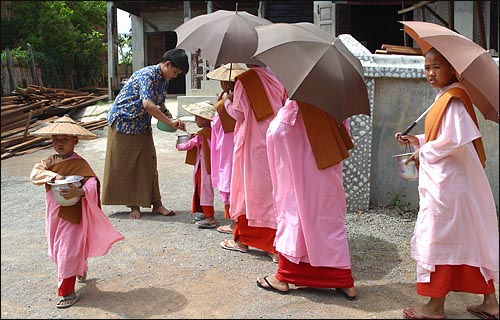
[167, 268]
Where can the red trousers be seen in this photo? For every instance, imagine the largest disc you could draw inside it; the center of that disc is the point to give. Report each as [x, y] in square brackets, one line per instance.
[258, 237]
[460, 278]
[67, 287]
[303, 274]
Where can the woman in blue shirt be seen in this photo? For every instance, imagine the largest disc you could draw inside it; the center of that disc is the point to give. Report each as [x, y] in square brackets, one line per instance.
[130, 170]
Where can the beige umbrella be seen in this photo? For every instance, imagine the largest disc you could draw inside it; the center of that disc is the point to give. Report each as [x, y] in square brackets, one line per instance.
[65, 126]
[222, 36]
[477, 70]
[314, 67]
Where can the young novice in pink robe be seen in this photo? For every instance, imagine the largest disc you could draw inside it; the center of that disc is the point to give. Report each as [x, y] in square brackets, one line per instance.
[455, 241]
[310, 201]
[198, 154]
[257, 97]
[85, 231]
[222, 142]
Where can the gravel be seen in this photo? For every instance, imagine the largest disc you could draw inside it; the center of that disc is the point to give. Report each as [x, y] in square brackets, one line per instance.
[167, 268]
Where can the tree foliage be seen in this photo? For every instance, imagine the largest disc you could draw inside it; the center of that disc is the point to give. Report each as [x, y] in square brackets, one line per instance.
[66, 36]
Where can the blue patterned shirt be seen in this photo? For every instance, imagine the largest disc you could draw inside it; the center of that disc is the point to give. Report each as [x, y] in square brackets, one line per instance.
[127, 110]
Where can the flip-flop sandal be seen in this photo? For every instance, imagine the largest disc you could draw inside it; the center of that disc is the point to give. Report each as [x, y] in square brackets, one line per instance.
[225, 229]
[233, 246]
[202, 224]
[270, 287]
[411, 313]
[73, 297]
[481, 314]
[199, 217]
[345, 295]
[273, 257]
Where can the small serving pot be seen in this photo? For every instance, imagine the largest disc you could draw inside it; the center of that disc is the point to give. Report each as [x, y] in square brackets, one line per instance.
[60, 185]
[408, 171]
[181, 138]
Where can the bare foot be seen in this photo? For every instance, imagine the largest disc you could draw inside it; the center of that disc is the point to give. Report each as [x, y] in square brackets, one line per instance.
[135, 213]
[275, 283]
[348, 293]
[163, 211]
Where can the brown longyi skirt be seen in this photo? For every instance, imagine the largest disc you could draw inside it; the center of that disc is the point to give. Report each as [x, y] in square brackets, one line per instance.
[130, 170]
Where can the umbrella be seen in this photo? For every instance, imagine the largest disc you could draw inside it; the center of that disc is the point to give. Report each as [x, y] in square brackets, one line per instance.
[314, 67]
[476, 68]
[65, 126]
[223, 36]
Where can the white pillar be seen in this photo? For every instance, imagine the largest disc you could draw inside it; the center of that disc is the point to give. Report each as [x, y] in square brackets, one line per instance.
[187, 17]
[464, 18]
[138, 55]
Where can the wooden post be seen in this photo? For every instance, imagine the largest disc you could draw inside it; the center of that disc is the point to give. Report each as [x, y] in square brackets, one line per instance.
[12, 83]
[28, 121]
[480, 18]
[32, 65]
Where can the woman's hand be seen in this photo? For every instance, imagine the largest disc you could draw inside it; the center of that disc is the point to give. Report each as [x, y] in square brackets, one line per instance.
[179, 125]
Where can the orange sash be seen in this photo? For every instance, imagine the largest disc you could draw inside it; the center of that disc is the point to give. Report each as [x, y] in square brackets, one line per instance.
[329, 140]
[256, 94]
[226, 120]
[69, 167]
[436, 113]
[206, 134]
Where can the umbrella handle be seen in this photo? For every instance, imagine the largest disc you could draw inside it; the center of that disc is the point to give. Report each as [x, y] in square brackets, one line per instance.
[408, 129]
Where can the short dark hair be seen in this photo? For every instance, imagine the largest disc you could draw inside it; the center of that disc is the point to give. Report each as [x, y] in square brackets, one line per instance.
[178, 58]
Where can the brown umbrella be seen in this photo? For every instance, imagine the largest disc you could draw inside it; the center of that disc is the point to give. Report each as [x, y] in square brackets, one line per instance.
[65, 126]
[223, 36]
[477, 70]
[314, 67]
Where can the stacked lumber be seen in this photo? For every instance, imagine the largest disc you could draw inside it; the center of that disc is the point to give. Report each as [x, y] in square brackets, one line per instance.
[33, 107]
[395, 49]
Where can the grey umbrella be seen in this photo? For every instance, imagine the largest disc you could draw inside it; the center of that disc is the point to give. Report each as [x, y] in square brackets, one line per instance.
[314, 67]
[222, 36]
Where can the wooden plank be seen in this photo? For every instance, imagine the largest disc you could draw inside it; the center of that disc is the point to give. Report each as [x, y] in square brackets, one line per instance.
[415, 6]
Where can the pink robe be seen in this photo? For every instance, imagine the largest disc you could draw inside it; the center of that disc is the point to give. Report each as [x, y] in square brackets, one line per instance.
[70, 245]
[207, 191]
[251, 187]
[221, 158]
[457, 222]
[310, 203]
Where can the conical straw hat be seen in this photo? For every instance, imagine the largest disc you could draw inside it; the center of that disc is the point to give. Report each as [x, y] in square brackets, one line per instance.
[65, 126]
[222, 72]
[202, 109]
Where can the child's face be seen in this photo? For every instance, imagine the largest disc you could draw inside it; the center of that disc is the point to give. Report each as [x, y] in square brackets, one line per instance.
[168, 71]
[64, 145]
[438, 70]
[202, 122]
[227, 86]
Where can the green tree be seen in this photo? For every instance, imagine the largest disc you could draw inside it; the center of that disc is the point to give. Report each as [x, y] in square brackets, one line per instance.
[67, 37]
[125, 41]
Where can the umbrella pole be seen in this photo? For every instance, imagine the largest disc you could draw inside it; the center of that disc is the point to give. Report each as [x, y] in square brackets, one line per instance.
[411, 126]
[230, 67]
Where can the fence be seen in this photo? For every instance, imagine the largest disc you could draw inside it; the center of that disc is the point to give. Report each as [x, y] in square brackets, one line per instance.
[22, 78]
